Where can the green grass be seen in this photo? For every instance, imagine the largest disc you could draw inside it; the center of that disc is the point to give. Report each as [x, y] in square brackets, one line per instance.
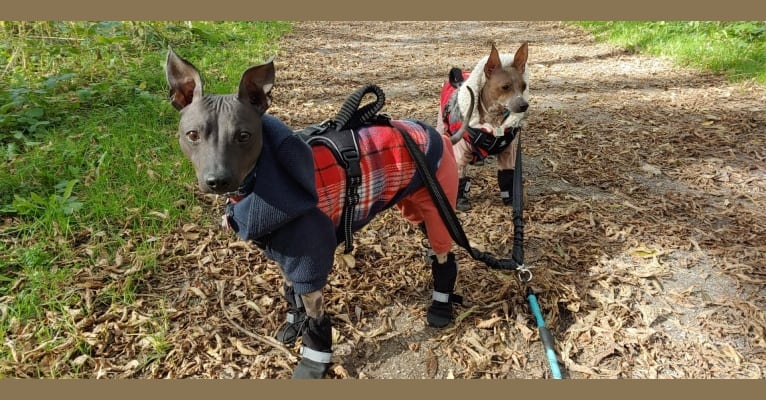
[90, 159]
[735, 49]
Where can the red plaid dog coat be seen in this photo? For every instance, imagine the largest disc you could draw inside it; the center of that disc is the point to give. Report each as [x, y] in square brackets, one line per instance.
[388, 171]
[293, 208]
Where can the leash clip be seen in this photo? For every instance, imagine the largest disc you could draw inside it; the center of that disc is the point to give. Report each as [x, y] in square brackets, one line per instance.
[524, 274]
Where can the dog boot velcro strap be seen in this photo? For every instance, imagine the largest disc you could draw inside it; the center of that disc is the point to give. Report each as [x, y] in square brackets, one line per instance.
[447, 297]
[505, 183]
[296, 317]
[289, 331]
[440, 313]
[506, 196]
[464, 184]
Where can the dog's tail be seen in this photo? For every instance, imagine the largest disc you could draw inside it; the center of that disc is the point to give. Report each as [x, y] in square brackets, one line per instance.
[464, 126]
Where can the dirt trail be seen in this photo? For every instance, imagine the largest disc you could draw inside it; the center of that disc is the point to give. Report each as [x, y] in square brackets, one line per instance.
[644, 225]
[645, 220]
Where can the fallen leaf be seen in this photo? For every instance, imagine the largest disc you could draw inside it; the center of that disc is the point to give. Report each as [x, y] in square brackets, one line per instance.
[242, 348]
[432, 364]
[488, 323]
[349, 260]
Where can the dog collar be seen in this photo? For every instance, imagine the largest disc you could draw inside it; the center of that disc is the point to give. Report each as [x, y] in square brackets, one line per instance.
[506, 111]
[243, 189]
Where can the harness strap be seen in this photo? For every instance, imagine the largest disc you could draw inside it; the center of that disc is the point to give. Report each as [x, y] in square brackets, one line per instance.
[490, 143]
[345, 148]
[339, 136]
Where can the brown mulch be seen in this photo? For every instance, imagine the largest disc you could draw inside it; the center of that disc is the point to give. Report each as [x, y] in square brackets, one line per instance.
[644, 229]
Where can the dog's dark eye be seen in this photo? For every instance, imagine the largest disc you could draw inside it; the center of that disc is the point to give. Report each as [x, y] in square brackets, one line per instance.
[243, 136]
[193, 136]
[506, 87]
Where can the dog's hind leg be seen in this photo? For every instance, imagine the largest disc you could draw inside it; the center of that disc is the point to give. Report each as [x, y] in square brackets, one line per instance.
[317, 339]
[418, 207]
[444, 276]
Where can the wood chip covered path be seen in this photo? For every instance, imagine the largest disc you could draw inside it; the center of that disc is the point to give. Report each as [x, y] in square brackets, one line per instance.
[645, 228]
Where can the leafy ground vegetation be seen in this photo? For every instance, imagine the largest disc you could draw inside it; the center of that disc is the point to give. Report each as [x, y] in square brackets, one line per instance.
[734, 48]
[91, 176]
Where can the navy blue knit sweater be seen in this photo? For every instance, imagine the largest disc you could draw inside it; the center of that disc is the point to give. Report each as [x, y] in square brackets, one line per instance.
[280, 208]
[281, 212]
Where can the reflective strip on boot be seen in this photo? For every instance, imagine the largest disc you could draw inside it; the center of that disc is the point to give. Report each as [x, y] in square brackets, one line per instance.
[293, 317]
[505, 195]
[440, 297]
[315, 355]
[447, 297]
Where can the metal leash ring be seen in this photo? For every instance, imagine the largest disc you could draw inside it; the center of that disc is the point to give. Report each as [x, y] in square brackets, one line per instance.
[524, 274]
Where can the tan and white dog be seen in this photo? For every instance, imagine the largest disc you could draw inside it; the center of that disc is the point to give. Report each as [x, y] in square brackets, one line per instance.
[493, 99]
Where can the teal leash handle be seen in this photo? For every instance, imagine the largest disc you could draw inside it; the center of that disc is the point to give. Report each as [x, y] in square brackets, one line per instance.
[545, 335]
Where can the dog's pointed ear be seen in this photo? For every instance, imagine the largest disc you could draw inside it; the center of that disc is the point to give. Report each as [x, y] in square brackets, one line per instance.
[520, 58]
[184, 80]
[492, 62]
[256, 84]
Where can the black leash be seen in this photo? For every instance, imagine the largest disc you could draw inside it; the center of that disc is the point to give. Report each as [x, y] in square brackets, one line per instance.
[451, 220]
[525, 276]
[517, 258]
[338, 134]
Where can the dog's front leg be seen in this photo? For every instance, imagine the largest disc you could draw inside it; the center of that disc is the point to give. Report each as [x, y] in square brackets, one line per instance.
[316, 350]
[463, 156]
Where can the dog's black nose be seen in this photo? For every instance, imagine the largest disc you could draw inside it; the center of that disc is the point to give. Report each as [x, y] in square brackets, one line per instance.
[523, 107]
[217, 182]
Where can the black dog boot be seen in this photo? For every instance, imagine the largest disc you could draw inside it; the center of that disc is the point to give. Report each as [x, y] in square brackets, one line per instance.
[316, 350]
[444, 275]
[505, 182]
[464, 186]
[296, 317]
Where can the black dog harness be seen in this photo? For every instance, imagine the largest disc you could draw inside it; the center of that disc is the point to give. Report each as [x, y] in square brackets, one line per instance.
[339, 136]
[483, 143]
[344, 146]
